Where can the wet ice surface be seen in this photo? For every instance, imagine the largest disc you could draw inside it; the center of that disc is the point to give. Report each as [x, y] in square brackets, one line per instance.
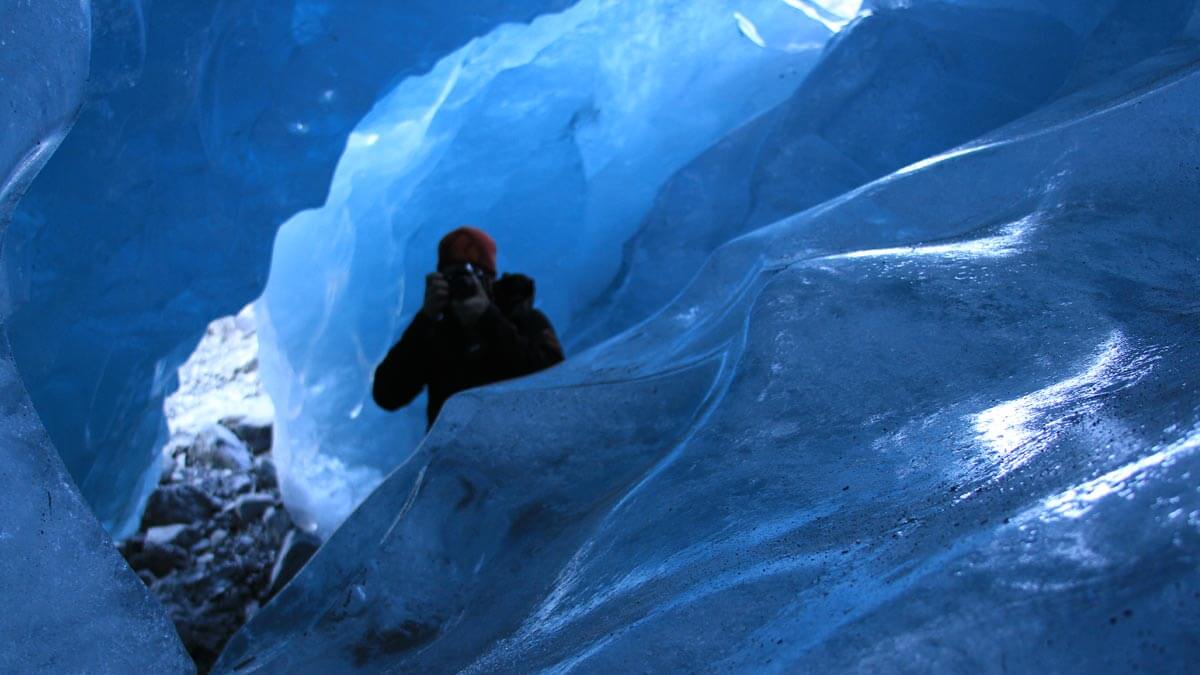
[947, 421]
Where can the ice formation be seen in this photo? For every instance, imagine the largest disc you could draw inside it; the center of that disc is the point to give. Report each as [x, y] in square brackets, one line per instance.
[883, 324]
[224, 117]
[70, 603]
[926, 406]
[556, 137]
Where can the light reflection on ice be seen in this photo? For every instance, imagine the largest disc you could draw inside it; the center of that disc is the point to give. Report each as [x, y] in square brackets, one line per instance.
[1077, 501]
[553, 614]
[938, 159]
[1004, 244]
[1017, 430]
[833, 14]
[689, 316]
[749, 29]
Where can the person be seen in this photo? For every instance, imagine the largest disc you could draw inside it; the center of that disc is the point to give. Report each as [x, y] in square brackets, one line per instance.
[471, 331]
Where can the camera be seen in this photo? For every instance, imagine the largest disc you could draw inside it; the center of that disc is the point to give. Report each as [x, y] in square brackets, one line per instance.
[461, 284]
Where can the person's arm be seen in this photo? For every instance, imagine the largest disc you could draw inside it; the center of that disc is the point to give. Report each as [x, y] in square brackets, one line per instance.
[525, 348]
[404, 373]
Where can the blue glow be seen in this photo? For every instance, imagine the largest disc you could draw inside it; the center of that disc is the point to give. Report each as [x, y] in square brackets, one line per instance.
[881, 320]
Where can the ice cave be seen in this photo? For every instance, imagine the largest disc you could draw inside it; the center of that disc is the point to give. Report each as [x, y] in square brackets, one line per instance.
[881, 322]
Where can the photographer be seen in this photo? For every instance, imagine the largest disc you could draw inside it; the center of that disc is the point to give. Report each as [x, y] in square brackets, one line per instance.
[472, 330]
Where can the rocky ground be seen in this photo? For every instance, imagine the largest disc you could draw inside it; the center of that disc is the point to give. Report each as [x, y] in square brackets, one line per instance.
[215, 541]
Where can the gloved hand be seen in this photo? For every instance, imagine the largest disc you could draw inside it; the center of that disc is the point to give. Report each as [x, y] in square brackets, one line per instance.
[437, 296]
[468, 310]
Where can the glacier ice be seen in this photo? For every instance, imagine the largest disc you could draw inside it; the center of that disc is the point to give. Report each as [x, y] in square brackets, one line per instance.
[903, 86]
[474, 142]
[941, 417]
[224, 117]
[70, 603]
[555, 137]
[918, 394]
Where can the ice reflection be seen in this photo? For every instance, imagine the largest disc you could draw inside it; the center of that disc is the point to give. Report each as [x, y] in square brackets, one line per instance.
[1004, 244]
[1017, 430]
[1077, 501]
[749, 29]
[944, 157]
[833, 14]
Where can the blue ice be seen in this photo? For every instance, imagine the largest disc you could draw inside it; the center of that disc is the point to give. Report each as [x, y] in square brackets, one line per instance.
[894, 375]
[882, 321]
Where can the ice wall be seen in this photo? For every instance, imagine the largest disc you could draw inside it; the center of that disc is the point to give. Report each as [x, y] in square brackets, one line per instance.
[70, 603]
[207, 124]
[907, 83]
[617, 173]
[555, 138]
[944, 421]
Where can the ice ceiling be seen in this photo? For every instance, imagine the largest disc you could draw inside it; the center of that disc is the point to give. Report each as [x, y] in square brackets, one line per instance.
[884, 330]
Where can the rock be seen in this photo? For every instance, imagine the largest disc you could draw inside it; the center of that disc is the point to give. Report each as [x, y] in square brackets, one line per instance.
[219, 448]
[251, 507]
[276, 522]
[178, 503]
[265, 477]
[255, 432]
[131, 546]
[178, 446]
[226, 519]
[239, 483]
[213, 530]
[295, 551]
[205, 633]
[180, 535]
[159, 559]
[245, 542]
[168, 469]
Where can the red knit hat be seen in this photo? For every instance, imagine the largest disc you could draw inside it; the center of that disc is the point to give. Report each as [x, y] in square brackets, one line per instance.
[468, 245]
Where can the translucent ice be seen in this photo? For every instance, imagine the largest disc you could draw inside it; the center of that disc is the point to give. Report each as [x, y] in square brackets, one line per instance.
[911, 384]
[946, 420]
[207, 124]
[555, 137]
[69, 602]
[903, 86]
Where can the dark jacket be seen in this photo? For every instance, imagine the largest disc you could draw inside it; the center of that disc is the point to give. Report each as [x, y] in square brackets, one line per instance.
[441, 355]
